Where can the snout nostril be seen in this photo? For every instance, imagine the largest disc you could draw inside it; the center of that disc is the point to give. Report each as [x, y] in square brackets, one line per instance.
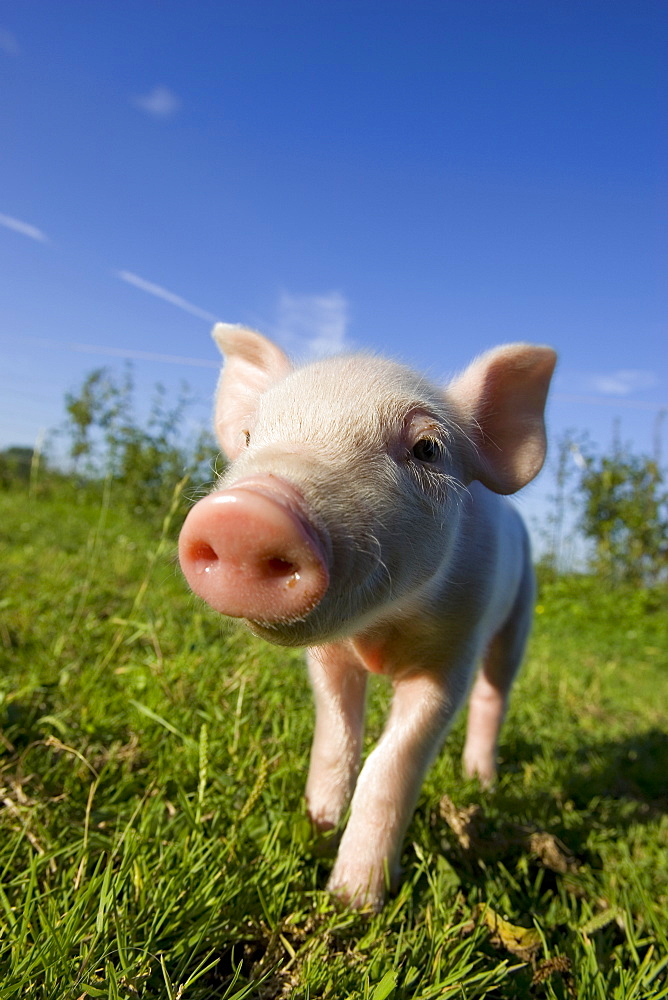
[250, 555]
[276, 566]
[203, 555]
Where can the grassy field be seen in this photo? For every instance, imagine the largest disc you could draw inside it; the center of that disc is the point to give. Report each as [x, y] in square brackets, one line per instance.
[153, 838]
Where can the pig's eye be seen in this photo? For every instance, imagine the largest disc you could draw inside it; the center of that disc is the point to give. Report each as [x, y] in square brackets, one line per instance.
[427, 450]
[246, 434]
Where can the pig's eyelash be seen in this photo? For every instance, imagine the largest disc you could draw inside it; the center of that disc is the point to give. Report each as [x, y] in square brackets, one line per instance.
[468, 437]
[439, 487]
[458, 489]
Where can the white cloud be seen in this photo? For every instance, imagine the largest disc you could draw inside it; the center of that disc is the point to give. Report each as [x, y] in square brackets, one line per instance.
[313, 324]
[161, 102]
[162, 293]
[8, 43]
[24, 228]
[623, 382]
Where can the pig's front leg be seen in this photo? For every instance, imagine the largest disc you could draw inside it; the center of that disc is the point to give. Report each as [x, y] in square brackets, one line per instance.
[339, 685]
[388, 788]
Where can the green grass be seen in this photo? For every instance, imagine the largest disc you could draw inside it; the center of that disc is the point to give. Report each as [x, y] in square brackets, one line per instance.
[153, 841]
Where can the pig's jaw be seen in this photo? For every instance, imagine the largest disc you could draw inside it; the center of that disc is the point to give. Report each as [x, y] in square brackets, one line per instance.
[352, 606]
[327, 623]
[315, 628]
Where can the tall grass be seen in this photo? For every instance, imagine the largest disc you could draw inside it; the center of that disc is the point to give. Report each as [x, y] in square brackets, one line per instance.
[154, 842]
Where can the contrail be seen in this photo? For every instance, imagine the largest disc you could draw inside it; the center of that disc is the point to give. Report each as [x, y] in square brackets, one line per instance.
[24, 228]
[120, 352]
[163, 293]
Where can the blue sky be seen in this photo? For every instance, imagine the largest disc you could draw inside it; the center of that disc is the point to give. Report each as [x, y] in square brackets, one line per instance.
[425, 179]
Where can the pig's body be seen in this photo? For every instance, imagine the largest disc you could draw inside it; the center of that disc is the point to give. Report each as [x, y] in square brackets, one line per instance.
[354, 520]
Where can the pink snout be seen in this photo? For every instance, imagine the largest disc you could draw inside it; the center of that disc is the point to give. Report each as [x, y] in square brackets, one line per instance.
[250, 555]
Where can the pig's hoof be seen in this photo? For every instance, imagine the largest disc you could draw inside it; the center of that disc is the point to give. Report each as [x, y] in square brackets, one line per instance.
[363, 901]
[365, 891]
[325, 833]
[484, 769]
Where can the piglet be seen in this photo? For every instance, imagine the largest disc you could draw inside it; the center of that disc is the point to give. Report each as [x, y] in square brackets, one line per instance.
[360, 517]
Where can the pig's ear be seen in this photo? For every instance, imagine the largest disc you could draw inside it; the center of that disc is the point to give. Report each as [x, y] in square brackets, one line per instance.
[501, 396]
[252, 364]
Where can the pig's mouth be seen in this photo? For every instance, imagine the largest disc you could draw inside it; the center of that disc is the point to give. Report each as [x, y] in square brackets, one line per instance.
[340, 613]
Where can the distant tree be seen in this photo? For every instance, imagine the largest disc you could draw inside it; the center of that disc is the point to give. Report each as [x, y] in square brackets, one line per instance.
[95, 413]
[15, 463]
[560, 540]
[625, 514]
[146, 459]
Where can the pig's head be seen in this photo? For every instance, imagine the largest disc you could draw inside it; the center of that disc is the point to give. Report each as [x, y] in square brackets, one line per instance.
[344, 490]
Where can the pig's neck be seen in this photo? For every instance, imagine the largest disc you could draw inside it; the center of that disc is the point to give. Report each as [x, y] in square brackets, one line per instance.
[371, 651]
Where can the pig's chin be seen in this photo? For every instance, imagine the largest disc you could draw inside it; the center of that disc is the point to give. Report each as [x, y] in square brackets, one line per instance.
[340, 613]
[294, 634]
[321, 625]
[313, 629]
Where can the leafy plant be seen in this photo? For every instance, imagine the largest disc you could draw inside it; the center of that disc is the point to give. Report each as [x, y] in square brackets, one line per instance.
[616, 504]
[625, 514]
[142, 459]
